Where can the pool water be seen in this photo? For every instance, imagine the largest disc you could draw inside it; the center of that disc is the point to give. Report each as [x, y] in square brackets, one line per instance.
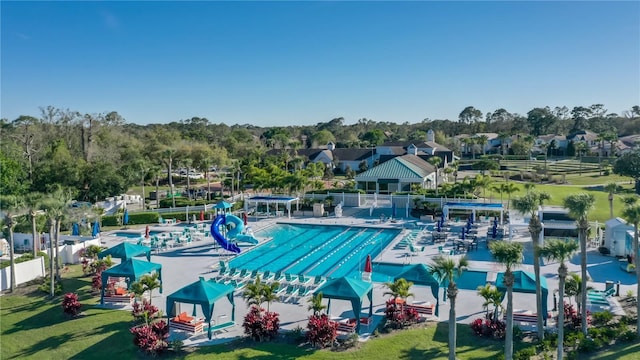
[312, 250]
[129, 235]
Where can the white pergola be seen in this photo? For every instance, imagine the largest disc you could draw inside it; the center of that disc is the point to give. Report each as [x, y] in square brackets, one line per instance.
[473, 207]
[277, 200]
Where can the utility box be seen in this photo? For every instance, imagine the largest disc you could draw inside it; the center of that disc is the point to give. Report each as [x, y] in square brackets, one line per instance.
[318, 209]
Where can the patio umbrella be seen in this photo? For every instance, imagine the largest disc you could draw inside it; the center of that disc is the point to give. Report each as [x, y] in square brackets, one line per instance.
[201, 215]
[96, 229]
[393, 210]
[367, 265]
[438, 226]
[146, 232]
[471, 218]
[125, 217]
[75, 231]
[494, 231]
[245, 218]
[463, 235]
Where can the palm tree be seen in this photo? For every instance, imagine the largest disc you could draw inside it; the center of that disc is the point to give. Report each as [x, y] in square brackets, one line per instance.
[579, 206]
[573, 287]
[484, 182]
[150, 283]
[631, 213]
[482, 141]
[492, 297]
[32, 201]
[399, 289]
[510, 188]
[611, 189]
[53, 208]
[435, 161]
[315, 304]
[12, 207]
[560, 251]
[508, 254]
[138, 289]
[529, 204]
[446, 268]
[269, 293]
[253, 292]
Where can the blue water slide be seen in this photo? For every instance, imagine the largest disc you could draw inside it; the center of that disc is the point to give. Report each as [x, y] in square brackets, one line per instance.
[224, 242]
[237, 233]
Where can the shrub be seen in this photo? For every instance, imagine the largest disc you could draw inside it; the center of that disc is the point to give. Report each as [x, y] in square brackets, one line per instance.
[96, 282]
[602, 318]
[573, 320]
[261, 325]
[321, 331]
[586, 344]
[145, 312]
[151, 339]
[46, 286]
[70, 304]
[489, 328]
[400, 317]
[525, 354]
[627, 335]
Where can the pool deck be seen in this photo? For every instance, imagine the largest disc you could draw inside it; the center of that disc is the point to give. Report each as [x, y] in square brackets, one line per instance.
[184, 265]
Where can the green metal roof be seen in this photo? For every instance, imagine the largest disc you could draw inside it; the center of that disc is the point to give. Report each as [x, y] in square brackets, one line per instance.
[402, 167]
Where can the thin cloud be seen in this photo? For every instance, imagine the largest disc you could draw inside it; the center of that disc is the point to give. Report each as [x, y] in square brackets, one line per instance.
[23, 36]
[110, 20]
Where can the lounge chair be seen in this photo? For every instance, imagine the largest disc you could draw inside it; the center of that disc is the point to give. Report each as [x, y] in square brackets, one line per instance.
[254, 274]
[278, 276]
[318, 280]
[304, 280]
[244, 274]
[267, 276]
[280, 290]
[290, 278]
[232, 273]
[305, 292]
[288, 293]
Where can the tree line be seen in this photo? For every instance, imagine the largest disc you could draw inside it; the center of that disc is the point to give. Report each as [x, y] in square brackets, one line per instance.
[100, 155]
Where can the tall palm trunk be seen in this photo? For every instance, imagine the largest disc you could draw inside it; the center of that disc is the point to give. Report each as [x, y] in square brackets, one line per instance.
[157, 192]
[452, 292]
[34, 235]
[535, 227]
[508, 341]
[583, 226]
[635, 261]
[12, 281]
[610, 206]
[52, 284]
[562, 275]
[56, 249]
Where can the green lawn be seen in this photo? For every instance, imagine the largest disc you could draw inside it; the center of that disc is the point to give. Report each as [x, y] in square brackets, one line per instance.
[558, 192]
[33, 327]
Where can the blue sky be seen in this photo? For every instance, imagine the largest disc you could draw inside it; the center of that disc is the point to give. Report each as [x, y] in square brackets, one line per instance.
[292, 63]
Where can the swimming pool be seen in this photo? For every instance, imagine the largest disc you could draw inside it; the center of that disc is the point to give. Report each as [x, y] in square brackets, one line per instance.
[130, 235]
[312, 250]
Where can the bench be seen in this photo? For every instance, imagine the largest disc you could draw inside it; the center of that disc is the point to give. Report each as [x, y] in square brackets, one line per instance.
[222, 327]
[346, 327]
[120, 296]
[524, 318]
[422, 310]
[186, 323]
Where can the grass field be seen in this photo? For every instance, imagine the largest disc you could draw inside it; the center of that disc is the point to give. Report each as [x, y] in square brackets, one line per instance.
[33, 327]
[586, 183]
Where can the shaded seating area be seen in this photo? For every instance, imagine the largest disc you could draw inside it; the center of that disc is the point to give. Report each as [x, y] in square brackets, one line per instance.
[353, 290]
[419, 275]
[130, 270]
[126, 251]
[525, 282]
[206, 294]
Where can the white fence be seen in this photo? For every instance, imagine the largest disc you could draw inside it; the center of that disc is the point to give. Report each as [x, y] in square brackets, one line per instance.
[25, 271]
[384, 201]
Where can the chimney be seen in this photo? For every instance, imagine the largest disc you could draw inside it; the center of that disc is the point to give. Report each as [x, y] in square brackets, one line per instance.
[431, 135]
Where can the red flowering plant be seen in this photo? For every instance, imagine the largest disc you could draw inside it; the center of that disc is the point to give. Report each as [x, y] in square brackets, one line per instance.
[321, 331]
[70, 304]
[145, 312]
[261, 325]
[399, 316]
[151, 339]
[489, 328]
[572, 318]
